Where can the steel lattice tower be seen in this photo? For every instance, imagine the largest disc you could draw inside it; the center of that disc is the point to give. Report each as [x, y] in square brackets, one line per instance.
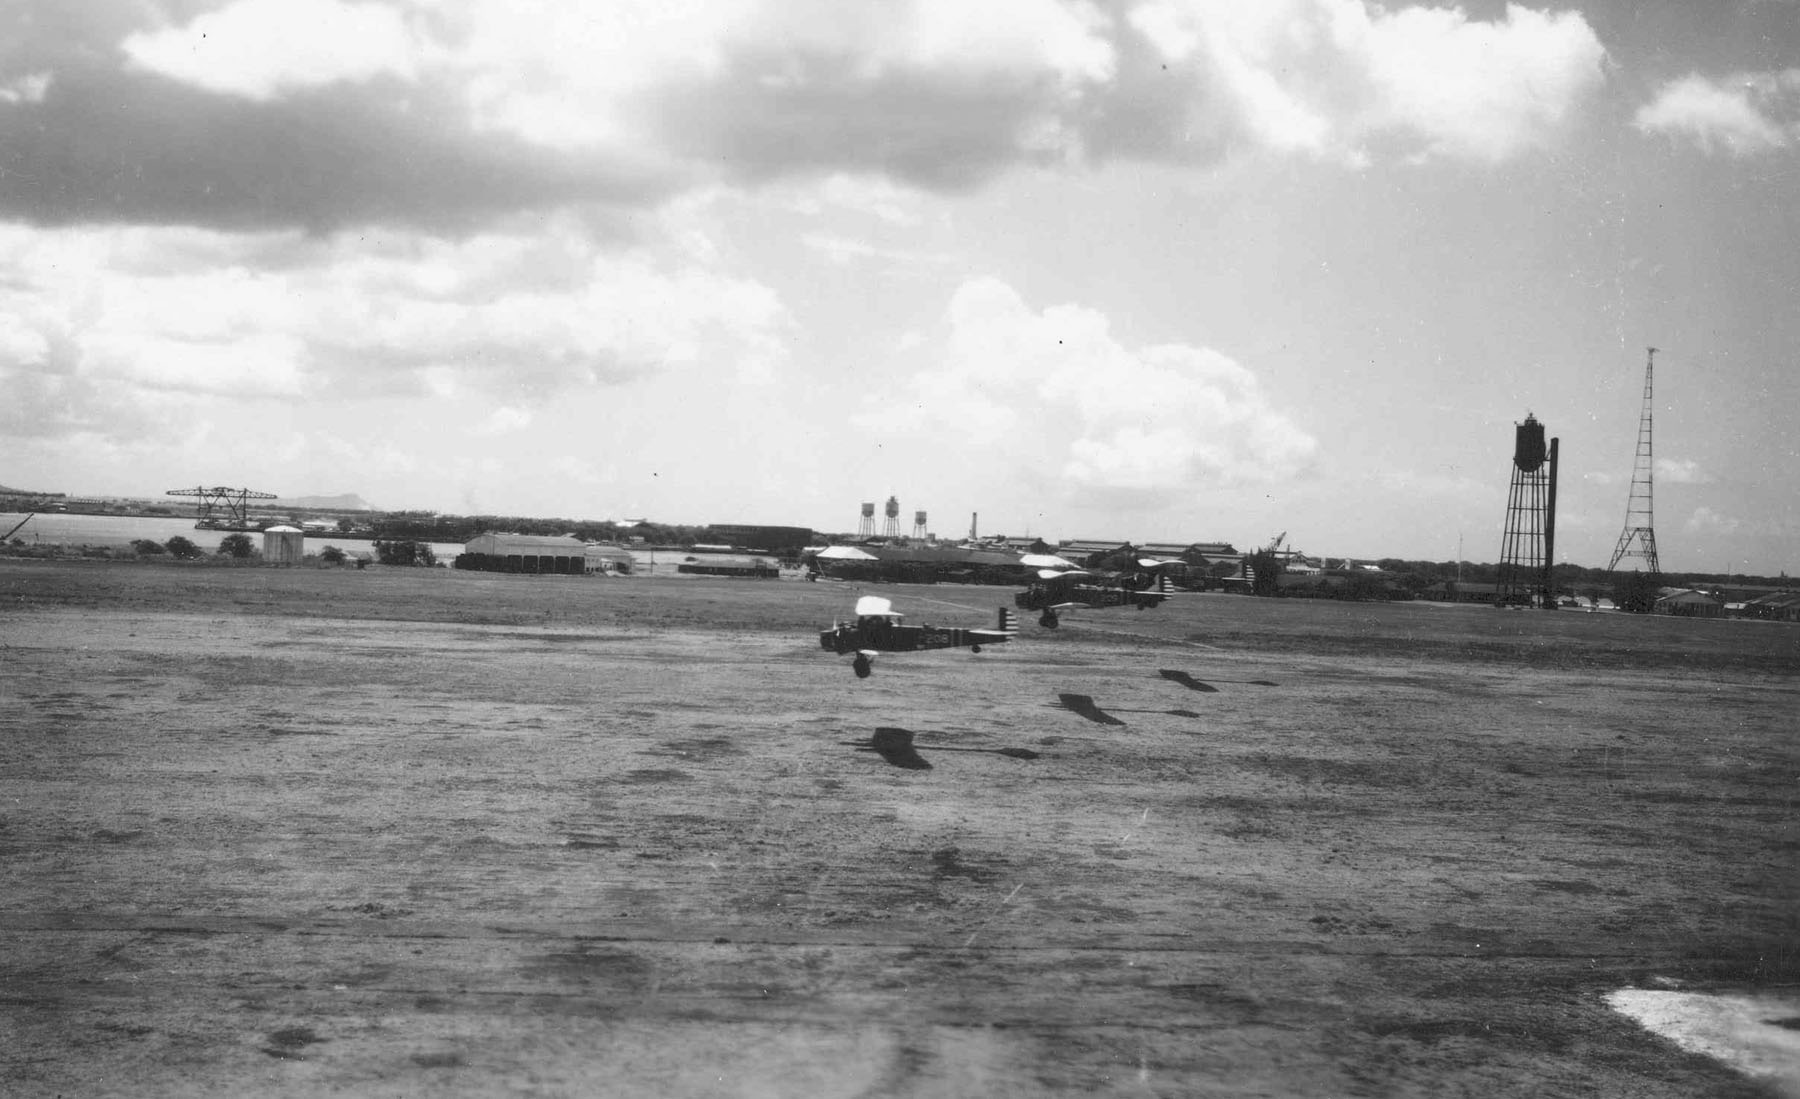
[1640, 525]
[1528, 548]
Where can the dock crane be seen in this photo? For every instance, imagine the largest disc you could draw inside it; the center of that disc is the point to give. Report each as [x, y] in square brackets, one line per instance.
[234, 502]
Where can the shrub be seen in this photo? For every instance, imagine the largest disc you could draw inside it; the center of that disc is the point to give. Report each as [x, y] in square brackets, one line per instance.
[332, 555]
[146, 548]
[1635, 592]
[405, 553]
[182, 549]
[1265, 572]
[236, 545]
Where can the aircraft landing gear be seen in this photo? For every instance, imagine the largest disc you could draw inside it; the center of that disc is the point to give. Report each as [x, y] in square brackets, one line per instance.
[974, 648]
[1048, 620]
[862, 666]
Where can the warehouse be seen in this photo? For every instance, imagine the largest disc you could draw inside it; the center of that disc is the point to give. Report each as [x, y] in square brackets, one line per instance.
[553, 554]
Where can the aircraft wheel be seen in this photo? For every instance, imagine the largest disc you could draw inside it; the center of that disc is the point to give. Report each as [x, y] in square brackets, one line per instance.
[974, 648]
[862, 667]
[1048, 620]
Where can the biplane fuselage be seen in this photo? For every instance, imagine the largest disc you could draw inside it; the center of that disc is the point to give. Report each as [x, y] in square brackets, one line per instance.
[878, 629]
[1067, 591]
[882, 636]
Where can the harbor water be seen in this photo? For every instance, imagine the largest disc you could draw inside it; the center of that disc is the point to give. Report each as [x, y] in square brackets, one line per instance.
[122, 530]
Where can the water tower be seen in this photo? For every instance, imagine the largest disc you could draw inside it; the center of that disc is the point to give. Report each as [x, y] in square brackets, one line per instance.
[891, 529]
[866, 528]
[919, 526]
[1528, 548]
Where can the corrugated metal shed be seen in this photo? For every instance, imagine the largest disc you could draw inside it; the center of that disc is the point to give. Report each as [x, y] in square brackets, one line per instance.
[541, 544]
[538, 554]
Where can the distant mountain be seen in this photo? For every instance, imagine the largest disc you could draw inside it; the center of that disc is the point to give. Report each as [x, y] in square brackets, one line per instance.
[347, 502]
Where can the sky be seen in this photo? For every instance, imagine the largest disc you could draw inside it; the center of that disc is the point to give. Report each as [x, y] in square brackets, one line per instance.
[1153, 270]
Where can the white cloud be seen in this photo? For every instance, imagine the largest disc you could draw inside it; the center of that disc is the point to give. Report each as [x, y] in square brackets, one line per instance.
[1056, 389]
[517, 316]
[1337, 77]
[934, 93]
[30, 88]
[1742, 115]
[260, 48]
[1681, 471]
[1480, 90]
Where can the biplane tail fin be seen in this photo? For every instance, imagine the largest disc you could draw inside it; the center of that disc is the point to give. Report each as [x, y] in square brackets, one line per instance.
[1009, 622]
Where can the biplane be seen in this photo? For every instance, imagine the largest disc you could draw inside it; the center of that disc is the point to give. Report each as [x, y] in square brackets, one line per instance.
[878, 629]
[1067, 589]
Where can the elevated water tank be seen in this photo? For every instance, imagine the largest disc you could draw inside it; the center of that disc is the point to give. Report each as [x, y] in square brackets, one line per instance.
[1528, 445]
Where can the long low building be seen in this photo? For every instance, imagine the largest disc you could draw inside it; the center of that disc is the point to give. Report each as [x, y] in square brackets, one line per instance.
[541, 554]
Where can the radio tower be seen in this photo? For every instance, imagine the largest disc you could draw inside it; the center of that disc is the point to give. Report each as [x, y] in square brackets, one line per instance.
[1640, 526]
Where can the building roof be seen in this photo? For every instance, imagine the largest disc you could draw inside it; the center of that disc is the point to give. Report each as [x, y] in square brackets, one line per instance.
[1091, 545]
[1775, 599]
[540, 544]
[1688, 595]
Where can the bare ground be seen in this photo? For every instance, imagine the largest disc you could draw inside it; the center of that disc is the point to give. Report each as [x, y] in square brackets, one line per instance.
[397, 832]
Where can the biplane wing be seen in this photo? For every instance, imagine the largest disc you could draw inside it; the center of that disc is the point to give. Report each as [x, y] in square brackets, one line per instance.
[1058, 592]
[879, 628]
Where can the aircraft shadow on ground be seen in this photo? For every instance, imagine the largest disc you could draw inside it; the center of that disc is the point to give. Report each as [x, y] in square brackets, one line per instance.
[896, 746]
[1174, 675]
[1086, 707]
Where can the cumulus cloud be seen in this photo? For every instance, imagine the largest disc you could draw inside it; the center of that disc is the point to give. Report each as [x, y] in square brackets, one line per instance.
[1342, 78]
[329, 113]
[1741, 115]
[518, 316]
[257, 48]
[1106, 420]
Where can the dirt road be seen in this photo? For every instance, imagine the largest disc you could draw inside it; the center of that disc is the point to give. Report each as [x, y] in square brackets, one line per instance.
[398, 832]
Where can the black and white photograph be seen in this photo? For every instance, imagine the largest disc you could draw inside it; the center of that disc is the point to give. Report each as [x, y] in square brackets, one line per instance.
[895, 549]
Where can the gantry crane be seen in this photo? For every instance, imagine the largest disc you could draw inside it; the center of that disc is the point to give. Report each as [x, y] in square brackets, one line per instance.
[233, 502]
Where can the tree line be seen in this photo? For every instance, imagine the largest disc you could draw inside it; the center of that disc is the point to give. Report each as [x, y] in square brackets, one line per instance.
[428, 526]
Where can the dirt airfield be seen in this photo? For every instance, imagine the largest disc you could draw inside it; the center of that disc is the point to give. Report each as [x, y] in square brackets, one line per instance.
[420, 832]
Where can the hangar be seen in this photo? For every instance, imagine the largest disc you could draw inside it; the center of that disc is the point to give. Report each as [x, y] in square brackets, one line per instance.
[554, 554]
